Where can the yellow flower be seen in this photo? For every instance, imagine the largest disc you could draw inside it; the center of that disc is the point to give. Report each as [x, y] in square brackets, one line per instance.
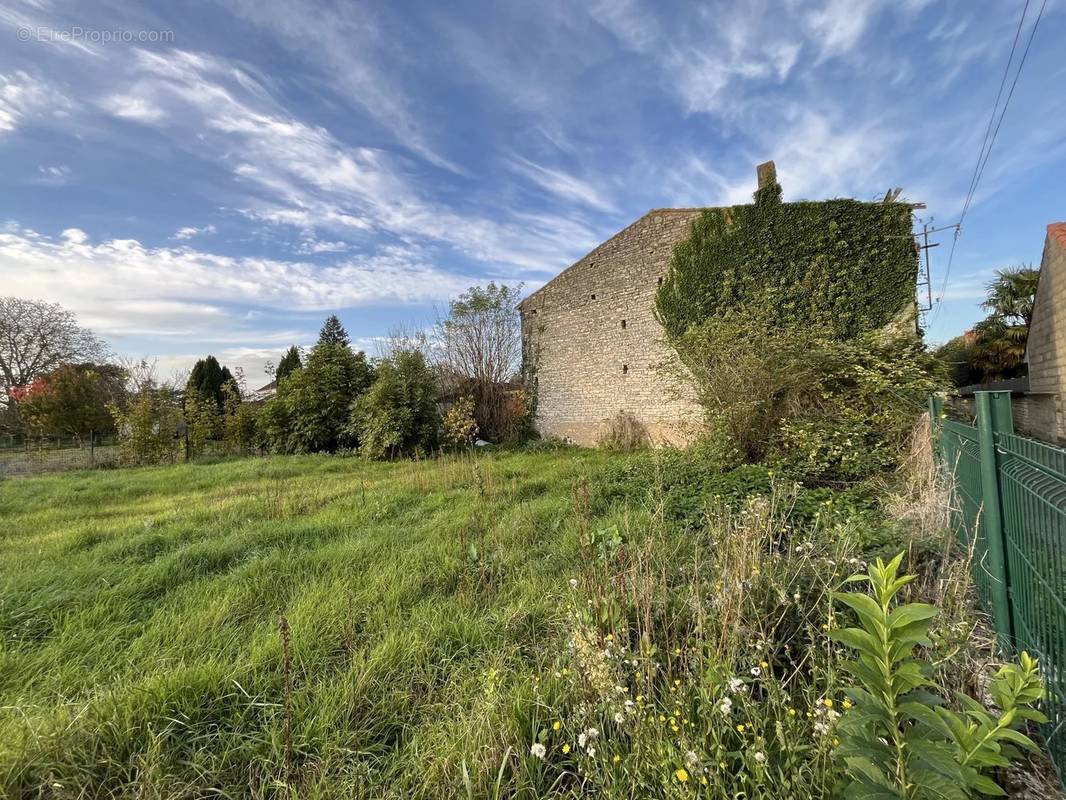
[610, 637]
[677, 682]
[740, 727]
[836, 741]
[556, 725]
[662, 718]
[703, 779]
[847, 704]
[616, 758]
[566, 748]
[792, 712]
[721, 765]
[763, 664]
[682, 775]
[828, 703]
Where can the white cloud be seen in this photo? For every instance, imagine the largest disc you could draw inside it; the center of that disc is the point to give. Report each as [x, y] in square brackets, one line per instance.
[54, 175]
[562, 184]
[137, 109]
[190, 232]
[23, 96]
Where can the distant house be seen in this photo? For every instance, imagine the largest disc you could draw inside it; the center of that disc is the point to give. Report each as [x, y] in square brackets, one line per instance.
[263, 393]
[592, 345]
[1045, 350]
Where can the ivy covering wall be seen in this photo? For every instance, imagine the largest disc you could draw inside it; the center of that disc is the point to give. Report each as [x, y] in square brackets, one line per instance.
[841, 266]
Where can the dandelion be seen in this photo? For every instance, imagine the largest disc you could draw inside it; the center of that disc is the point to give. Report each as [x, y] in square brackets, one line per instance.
[681, 775]
[740, 728]
[593, 733]
[692, 760]
[847, 704]
[566, 748]
[828, 703]
[556, 725]
[760, 757]
[538, 750]
[616, 758]
[619, 718]
[721, 765]
[763, 664]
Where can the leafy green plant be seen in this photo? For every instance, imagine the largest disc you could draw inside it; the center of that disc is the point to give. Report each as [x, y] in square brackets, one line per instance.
[900, 740]
[459, 424]
[398, 413]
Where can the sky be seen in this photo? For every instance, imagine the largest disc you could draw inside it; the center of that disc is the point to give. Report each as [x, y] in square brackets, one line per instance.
[217, 177]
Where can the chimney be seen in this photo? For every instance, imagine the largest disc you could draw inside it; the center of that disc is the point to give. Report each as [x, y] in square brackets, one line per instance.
[767, 174]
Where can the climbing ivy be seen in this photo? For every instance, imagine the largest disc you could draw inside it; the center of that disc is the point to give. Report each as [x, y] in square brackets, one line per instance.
[841, 266]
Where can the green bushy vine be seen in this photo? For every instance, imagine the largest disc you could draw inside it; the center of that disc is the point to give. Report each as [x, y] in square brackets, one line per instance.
[842, 266]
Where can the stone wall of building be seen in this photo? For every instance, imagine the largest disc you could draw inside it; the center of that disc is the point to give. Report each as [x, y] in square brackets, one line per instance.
[594, 346]
[1046, 346]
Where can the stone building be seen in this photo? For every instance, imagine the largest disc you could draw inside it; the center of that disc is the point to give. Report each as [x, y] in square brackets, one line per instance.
[1045, 349]
[593, 345]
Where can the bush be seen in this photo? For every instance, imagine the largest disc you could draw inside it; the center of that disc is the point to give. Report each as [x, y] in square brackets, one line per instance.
[459, 426]
[310, 411]
[148, 427]
[203, 423]
[398, 414]
[820, 408]
[625, 433]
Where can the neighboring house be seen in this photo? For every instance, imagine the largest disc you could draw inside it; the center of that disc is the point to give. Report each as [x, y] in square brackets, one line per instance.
[592, 345]
[263, 393]
[1045, 350]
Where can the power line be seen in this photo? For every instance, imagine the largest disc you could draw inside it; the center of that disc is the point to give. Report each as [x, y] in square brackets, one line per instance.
[987, 143]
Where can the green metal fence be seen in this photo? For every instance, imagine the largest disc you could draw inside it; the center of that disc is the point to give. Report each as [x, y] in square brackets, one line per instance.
[1010, 507]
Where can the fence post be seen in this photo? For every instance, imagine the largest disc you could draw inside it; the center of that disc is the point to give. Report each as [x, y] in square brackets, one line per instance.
[936, 426]
[994, 416]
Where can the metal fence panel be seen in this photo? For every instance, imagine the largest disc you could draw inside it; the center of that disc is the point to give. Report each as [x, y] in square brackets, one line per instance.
[1030, 496]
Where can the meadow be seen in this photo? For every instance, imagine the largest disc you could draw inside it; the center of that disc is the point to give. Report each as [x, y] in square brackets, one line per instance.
[551, 622]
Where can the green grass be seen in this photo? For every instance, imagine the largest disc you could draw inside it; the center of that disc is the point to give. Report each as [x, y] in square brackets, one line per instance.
[139, 609]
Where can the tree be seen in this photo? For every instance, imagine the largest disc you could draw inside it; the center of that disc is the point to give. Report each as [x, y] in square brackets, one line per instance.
[289, 362]
[996, 350]
[207, 379]
[35, 338]
[72, 399]
[333, 332]
[310, 411]
[398, 413]
[148, 426]
[481, 347]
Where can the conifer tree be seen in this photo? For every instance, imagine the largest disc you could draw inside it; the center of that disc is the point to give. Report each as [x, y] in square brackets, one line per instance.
[333, 332]
[289, 362]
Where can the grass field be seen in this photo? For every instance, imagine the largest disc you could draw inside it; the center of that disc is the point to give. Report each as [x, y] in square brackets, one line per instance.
[541, 623]
[139, 609]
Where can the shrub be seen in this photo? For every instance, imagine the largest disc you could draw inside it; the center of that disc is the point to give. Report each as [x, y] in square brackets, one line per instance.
[624, 433]
[901, 741]
[148, 427]
[240, 423]
[203, 422]
[398, 414]
[459, 428]
[310, 411]
[72, 399]
[820, 408]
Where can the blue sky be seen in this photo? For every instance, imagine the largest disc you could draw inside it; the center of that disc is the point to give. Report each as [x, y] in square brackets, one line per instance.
[218, 176]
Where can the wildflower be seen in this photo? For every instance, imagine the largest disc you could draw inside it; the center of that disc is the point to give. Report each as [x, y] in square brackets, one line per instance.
[760, 757]
[725, 706]
[593, 733]
[556, 725]
[692, 760]
[836, 742]
[591, 751]
[796, 597]
[721, 765]
[573, 583]
[619, 718]
[828, 703]
[735, 685]
[792, 712]
[566, 748]
[538, 750]
[681, 775]
[703, 779]
[847, 704]
[740, 728]
[821, 728]
[756, 672]
[616, 758]
[581, 739]
[763, 664]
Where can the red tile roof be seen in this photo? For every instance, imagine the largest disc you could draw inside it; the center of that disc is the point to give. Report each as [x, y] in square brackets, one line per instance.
[1057, 231]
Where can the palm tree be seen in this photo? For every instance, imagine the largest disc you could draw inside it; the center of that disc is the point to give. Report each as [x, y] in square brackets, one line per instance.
[1000, 347]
